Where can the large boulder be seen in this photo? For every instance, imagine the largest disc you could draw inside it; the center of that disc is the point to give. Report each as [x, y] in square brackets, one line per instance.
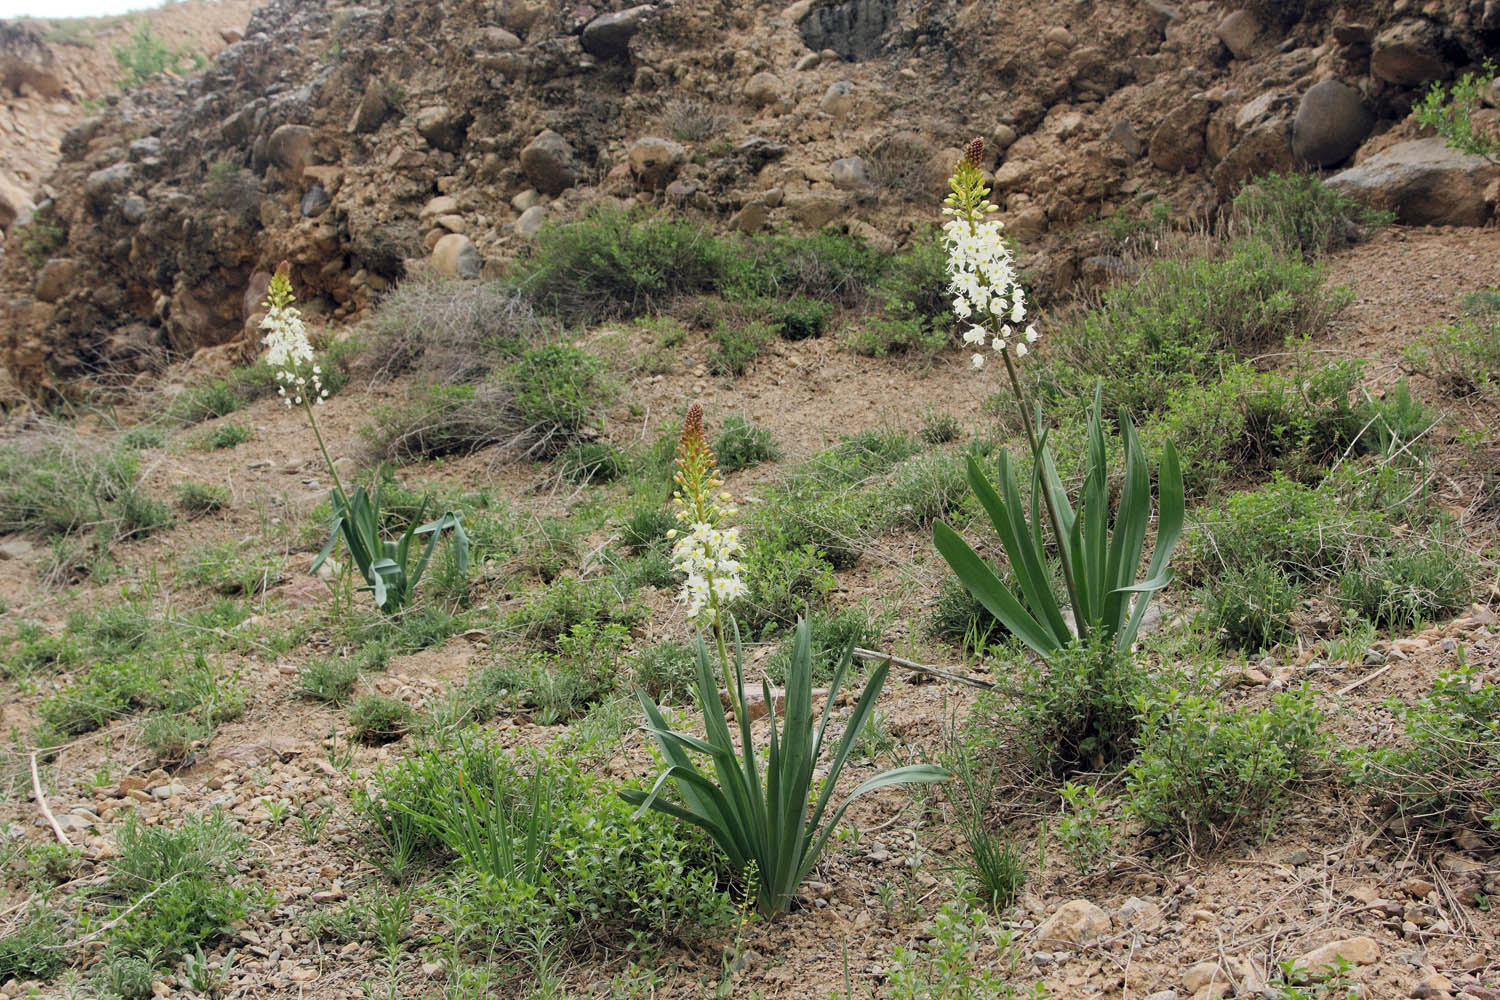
[55, 279]
[454, 256]
[608, 35]
[1331, 122]
[1265, 149]
[290, 149]
[548, 163]
[1076, 923]
[1424, 183]
[1178, 144]
[373, 108]
[101, 186]
[1408, 54]
[441, 127]
[655, 161]
[764, 90]
[1239, 32]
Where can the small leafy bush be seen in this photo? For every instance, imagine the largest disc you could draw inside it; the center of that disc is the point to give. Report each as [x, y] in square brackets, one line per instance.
[196, 499]
[831, 634]
[558, 392]
[378, 718]
[36, 949]
[145, 53]
[828, 266]
[58, 483]
[781, 584]
[173, 737]
[215, 398]
[182, 882]
[329, 679]
[559, 687]
[1464, 358]
[232, 569]
[1203, 772]
[666, 672]
[1301, 216]
[1446, 774]
[734, 345]
[800, 318]
[555, 612]
[1169, 328]
[741, 444]
[536, 848]
[591, 462]
[939, 428]
[958, 617]
[618, 264]
[954, 962]
[1410, 586]
[1450, 111]
[225, 436]
[1252, 606]
[1077, 712]
[646, 525]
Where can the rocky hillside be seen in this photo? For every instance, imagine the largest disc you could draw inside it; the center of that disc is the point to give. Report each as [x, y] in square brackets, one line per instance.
[360, 142]
[53, 72]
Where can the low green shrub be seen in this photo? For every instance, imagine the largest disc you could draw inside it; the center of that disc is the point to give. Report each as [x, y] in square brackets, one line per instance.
[232, 568]
[179, 884]
[558, 392]
[173, 738]
[800, 318]
[535, 848]
[615, 263]
[560, 686]
[1451, 111]
[646, 525]
[959, 618]
[1252, 606]
[741, 444]
[1410, 586]
[553, 613]
[37, 948]
[378, 718]
[831, 633]
[1463, 359]
[1202, 772]
[781, 585]
[939, 428]
[666, 672]
[225, 436]
[1077, 713]
[1283, 523]
[59, 483]
[734, 345]
[1300, 215]
[1446, 772]
[205, 401]
[591, 462]
[1168, 330]
[829, 266]
[328, 679]
[196, 499]
[954, 961]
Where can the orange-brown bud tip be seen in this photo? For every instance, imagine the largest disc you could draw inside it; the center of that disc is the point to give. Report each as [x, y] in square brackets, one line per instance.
[693, 424]
[974, 151]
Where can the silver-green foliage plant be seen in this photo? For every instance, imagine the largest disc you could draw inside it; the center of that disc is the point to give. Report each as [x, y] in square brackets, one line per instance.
[768, 812]
[1100, 560]
[1450, 110]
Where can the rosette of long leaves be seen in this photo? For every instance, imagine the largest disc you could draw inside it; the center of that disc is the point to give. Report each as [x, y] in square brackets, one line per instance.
[766, 820]
[385, 564]
[1100, 559]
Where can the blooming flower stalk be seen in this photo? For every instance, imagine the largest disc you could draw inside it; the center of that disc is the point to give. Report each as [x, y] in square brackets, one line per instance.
[289, 352]
[287, 348]
[706, 551]
[981, 270]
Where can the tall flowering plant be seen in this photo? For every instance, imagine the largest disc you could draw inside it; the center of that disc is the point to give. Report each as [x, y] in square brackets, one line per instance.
[763, 809]
[384, 563]
[1099, 560]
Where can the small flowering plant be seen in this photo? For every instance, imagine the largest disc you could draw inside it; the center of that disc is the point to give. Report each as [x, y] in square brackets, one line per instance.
[385, 564]
[1099, 560]
[765, 811]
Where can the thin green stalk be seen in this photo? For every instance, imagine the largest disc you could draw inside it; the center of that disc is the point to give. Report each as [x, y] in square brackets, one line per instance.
[337, 483]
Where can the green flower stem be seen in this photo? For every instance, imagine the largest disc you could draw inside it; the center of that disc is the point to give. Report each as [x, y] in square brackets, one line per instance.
[1036, 457]
[338, 484]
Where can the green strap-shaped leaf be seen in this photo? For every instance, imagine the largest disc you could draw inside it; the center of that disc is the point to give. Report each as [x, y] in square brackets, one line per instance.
[987, 589]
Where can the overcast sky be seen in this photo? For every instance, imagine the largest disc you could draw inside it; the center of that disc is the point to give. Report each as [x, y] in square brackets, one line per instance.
[71, 8]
